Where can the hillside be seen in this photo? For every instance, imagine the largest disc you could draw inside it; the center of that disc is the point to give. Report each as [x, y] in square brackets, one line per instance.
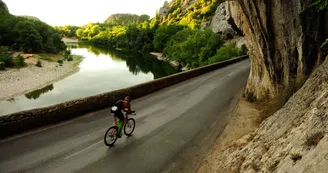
[26, 35]
[30, 17]
[3, 6]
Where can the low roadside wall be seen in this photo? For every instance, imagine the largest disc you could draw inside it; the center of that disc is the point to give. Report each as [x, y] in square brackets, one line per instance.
[31, 119]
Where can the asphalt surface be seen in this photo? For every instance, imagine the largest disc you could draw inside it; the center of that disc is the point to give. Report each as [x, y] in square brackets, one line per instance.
[173, 127]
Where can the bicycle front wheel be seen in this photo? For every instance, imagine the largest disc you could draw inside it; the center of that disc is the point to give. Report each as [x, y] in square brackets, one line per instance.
[110, 136]
[129, 126]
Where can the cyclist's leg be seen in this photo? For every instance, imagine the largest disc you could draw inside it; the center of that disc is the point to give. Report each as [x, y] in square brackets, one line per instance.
[120, 123]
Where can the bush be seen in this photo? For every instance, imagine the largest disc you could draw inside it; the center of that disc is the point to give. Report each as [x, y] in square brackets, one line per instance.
[7, 60]
[67, 52]
[19, 61]
[2, 65]
[295, 156]
[68, 57]
[3, 50]
[243, 50]
[225, 52]
[60, 61]
[314, 139]
[38, 63]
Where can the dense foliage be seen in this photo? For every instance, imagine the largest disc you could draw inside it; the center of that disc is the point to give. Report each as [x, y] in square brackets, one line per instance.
[181, 43]
[125, 31]
[3, 6]
[125, 19]
[194, 15]
[67, 30]
[28, 35]
[196, 48]
[7, 61]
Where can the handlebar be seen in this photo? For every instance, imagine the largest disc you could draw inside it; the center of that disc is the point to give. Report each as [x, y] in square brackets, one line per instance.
[134, 113]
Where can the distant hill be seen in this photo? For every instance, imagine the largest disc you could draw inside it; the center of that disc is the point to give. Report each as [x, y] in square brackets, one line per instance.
[30, 17]
[3, 6]
[125, 19]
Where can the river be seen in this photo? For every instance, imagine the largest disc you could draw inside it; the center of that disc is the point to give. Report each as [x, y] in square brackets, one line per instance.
[101, 70]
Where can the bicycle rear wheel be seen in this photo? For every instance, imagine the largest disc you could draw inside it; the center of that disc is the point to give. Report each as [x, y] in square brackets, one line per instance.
[110, 136]
[129, 126]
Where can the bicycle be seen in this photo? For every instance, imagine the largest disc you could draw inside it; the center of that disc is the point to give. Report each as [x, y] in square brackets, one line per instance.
[111, 134]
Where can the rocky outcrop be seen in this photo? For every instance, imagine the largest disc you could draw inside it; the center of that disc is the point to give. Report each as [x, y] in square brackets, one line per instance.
[219, 23]
[283, 39]
[294, 139]
[164, 11]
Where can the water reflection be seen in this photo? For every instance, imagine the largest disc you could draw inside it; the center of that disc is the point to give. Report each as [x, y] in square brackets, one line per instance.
[36, 94]
[101, 70]
[136, 62]
[11, 100]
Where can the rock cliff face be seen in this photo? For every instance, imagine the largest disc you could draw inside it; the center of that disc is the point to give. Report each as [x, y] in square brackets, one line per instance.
[163, 11]
[283, 40]
[219, 23]
[294, 139]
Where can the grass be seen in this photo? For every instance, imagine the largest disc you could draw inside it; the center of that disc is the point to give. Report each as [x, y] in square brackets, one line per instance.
[77, 59]
[273, 166]
[60, 61]
[59, 58]
[296, 156]
[48, 57]
[38, 63]
[314, 139]
[255, 166]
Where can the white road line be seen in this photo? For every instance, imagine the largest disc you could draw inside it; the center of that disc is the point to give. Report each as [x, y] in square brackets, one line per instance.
[78, 152]
[36, 131]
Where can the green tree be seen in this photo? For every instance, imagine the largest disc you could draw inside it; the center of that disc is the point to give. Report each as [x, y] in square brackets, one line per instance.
[3, 6]
[28, 37]
[28, 34]
[163, 34]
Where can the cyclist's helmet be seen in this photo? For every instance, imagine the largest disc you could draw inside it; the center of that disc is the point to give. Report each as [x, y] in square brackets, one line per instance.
[127, 98]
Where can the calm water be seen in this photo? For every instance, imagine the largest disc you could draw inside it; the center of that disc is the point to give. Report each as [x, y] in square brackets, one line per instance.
[101, 70]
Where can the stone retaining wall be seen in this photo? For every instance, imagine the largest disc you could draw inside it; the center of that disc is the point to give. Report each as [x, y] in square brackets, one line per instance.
[31, 119]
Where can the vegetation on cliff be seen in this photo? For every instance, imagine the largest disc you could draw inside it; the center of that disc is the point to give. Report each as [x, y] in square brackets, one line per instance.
[193, 15]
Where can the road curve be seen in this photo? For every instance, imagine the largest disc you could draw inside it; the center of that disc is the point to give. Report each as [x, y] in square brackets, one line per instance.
[173, 126]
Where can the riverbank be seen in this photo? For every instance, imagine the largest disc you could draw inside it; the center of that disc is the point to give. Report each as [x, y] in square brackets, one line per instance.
[175, 64]
[15, 82]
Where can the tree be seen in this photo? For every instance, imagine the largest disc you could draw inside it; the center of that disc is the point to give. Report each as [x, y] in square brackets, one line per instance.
[3, 6]
[28, 37]
[163, 34]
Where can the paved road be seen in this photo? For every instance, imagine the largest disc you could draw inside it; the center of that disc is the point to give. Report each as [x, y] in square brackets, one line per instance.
[173, 126]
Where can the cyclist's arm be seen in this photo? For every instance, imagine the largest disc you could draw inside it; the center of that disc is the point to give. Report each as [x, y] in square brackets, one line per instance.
[128, 108]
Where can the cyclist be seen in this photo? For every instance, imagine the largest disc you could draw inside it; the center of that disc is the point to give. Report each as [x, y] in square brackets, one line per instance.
[118, 108]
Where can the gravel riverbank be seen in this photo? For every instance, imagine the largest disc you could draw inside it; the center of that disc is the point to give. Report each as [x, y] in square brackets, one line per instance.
[15, 82]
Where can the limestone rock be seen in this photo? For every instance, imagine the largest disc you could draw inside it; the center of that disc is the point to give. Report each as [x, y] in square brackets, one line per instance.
[294, 139]
[164, 11]
[219, 23]
[283, 39]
